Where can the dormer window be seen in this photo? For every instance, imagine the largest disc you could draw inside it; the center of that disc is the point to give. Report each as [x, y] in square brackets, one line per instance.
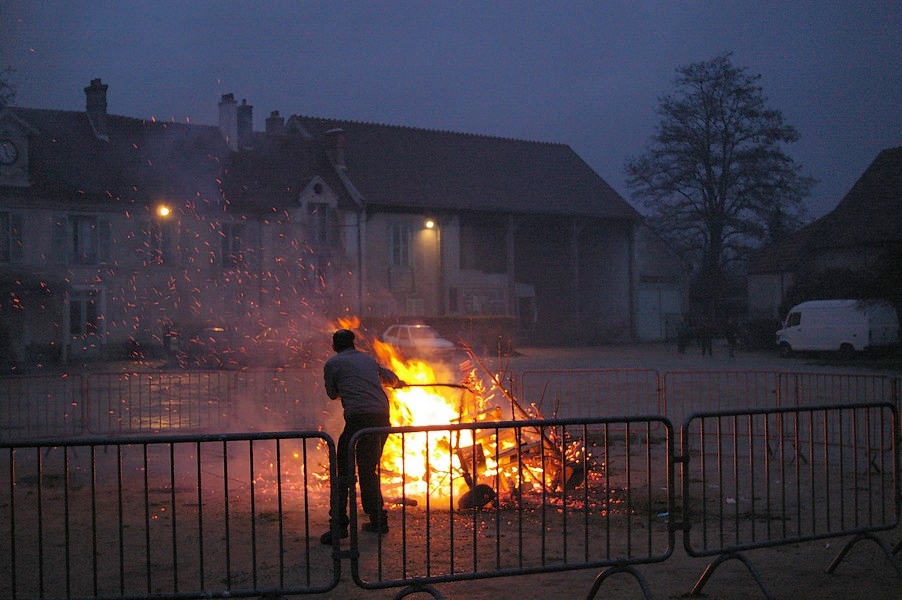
[10, 237]
[319, 205]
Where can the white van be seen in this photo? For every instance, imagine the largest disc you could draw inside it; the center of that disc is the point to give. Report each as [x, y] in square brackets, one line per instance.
[844, 326]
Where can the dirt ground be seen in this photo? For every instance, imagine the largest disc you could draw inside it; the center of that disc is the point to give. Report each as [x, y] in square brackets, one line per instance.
[787, 572]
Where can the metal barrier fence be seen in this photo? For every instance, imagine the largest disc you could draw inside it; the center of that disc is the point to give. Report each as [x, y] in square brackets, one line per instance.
[518, 497]
[276, 400]
[166, 516]
[142, 402]
[686, 392]
[591, 392]
[41, 406]
[194, 516]
[766, 477]
[145, 402]
[271, 400]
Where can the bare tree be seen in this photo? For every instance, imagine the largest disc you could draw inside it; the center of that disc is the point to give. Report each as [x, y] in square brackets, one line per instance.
[715, 179]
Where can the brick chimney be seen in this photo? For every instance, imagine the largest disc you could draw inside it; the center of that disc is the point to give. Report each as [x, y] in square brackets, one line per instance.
[228, 120]
[335, 147]
[274, 123]
[95, 106]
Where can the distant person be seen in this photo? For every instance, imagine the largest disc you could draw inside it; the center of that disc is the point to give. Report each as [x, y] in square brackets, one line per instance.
[357, 379]
[684, 334]
[706, 338]
[730, 334]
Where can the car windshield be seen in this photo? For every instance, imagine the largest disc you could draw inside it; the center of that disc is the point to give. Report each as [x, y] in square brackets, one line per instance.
[423, 333]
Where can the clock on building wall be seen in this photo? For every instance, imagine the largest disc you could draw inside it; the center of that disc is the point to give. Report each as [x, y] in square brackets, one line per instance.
[8, 152]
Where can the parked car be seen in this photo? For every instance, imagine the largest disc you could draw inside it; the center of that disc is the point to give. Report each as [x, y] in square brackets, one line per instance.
[417, 339]
[843, 326]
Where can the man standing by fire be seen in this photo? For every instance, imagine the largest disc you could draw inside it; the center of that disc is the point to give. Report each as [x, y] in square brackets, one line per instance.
[357, 379]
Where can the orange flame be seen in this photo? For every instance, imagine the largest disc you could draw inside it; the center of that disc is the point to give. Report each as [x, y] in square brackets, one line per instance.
[420, 466]
[427, 467]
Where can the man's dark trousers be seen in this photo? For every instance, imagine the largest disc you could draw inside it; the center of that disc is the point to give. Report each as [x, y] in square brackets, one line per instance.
[368, 455]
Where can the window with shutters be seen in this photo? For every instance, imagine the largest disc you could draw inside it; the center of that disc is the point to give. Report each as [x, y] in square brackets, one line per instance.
[399, 242]
[233, 244]
[84, 312]
[159, 242]
[10, 237]
[81, 239]
[322, 223]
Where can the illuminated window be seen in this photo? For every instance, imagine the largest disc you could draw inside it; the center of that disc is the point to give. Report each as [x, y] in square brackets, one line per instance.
[399, 237]
[10, 237]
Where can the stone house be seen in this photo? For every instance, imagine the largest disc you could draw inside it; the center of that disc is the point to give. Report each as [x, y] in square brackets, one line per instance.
[116, 231]
[863, 234]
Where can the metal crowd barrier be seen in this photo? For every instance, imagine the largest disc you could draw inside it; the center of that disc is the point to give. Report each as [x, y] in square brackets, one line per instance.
[235, 513]
[282, 399]
[686, 392]
[190, 516]
[41, 406]
[766, 477]
[567, 394]
[153, 401]
[232, 515]
[142, 402]
[496, 499]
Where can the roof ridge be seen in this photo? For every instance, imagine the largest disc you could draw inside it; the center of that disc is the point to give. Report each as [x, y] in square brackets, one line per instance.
[429, 130]
[143, 120]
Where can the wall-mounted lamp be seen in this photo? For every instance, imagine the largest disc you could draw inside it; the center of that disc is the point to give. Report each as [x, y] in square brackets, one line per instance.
[430, 223]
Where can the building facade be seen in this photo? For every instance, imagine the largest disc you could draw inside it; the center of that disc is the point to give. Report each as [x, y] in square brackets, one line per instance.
[116, 232]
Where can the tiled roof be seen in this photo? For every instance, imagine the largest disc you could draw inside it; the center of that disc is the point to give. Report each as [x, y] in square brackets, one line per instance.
[410, 168]
[391, 167]
[785, 255]
[871, 213]
[271, 170]
[140, 161]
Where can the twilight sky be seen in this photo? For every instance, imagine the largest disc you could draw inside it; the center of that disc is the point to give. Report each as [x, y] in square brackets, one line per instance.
[586, 74]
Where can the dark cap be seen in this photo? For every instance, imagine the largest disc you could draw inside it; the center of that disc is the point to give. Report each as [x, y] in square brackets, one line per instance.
[342, 340]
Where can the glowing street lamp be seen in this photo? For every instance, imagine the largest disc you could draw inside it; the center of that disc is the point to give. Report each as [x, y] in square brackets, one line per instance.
[163, 210]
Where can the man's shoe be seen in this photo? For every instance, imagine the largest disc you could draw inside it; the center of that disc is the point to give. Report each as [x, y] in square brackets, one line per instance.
[326, 538]
[375, 527]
